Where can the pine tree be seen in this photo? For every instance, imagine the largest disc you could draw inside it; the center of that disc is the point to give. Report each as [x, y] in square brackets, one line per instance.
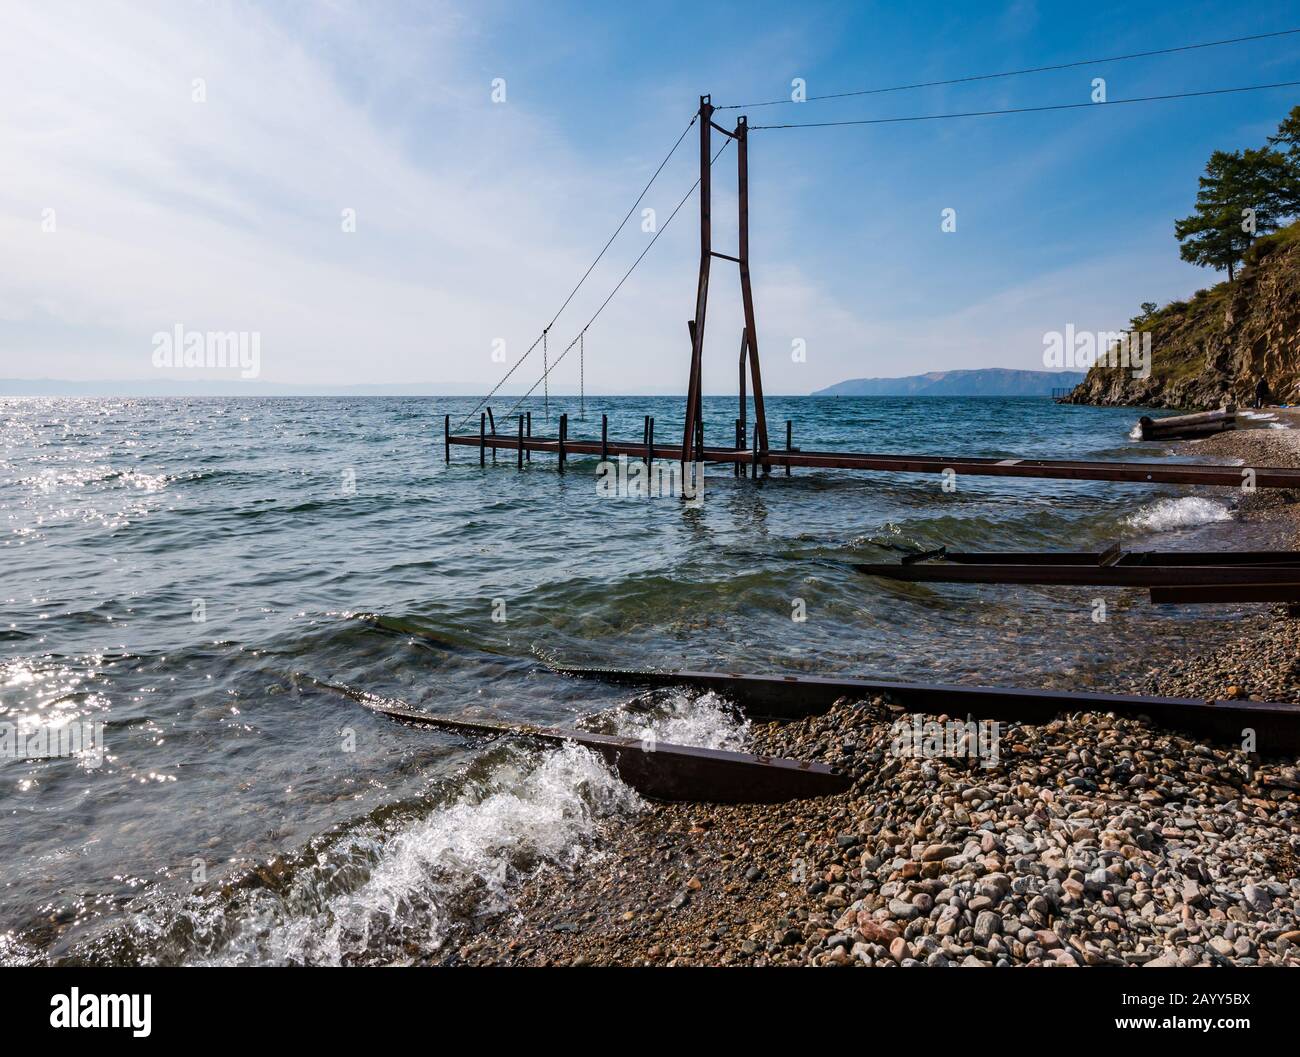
[1243, 194]
[1288, 137]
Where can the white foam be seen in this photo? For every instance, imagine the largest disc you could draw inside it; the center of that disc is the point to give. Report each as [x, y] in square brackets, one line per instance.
[470, 854]
[705, 722]
[1186, 512]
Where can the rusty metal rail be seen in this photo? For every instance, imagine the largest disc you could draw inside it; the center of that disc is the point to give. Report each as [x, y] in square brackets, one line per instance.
[787, 697]
[659, 770]
[1156, 558]
[1226, 594]
[1137, 575]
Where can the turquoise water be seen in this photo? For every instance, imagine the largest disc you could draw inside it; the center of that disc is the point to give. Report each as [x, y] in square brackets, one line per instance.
[242, 815]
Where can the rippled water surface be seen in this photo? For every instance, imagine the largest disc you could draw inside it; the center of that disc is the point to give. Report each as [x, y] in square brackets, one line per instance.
[173, 568]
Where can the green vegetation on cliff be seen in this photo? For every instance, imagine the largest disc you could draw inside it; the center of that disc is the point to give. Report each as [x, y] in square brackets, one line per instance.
[1214, 348]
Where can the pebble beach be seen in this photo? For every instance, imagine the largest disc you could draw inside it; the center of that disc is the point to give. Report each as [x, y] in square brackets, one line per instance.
[1094, 840]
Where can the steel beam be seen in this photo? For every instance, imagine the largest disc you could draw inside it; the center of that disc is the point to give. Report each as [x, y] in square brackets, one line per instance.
[659, 770]
[787, 697]
[1084, 575]
[1158, 558]
[1226, 594]
[702, 285]
[744, 404]
[746, 290]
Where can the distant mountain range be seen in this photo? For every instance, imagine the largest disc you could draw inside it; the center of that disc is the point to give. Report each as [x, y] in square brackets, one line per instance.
[994, 381]
[179, 387]
[988, 381]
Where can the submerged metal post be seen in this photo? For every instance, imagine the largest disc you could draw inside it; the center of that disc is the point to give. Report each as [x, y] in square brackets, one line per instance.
[604, 438]
[697, 400]
[519, 455]
[564, 433]
[789, 442]
[744, 348]
[650, 441]
[492, 424]
[446, 438]
[528, 417]
[482, 439]
[754, 463]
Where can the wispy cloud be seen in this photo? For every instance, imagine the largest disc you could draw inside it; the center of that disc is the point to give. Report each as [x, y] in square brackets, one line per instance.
[227, 213]
[473, 220]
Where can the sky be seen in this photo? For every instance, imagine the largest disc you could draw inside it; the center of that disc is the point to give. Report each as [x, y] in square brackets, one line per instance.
[336, 182]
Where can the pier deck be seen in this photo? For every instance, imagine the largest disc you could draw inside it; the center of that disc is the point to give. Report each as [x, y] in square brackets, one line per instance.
[1059, 469]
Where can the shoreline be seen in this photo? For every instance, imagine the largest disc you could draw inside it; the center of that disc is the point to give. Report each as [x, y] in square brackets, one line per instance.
[1095, 840]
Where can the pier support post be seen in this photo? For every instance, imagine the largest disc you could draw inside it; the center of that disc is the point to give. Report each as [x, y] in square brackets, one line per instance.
[528, 419]
[482, 438]
[693, 435]
[519, 455]
[604, 438]
[650, 441]
[744, 349]
[446, 439]
[746, 291]
[702, 285]
[564, 435]
[789, 442]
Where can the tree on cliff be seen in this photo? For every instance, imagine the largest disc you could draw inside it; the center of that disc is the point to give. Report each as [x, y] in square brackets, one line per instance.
[1243, 194]
[1288, 137]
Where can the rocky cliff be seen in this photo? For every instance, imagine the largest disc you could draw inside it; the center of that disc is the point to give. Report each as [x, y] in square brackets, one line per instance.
[1213, 349]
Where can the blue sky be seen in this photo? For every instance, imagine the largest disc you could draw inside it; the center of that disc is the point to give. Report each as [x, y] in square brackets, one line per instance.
[475, 218]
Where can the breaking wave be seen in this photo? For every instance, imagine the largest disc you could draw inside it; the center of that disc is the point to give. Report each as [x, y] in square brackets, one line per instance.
[1185, 512]
[461, 861]
[389, 890]
[706, 722]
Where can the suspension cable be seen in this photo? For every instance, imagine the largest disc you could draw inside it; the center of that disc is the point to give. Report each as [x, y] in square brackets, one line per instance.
[1028, 109]
[609, 242]
[1015, 73]
[662, 228]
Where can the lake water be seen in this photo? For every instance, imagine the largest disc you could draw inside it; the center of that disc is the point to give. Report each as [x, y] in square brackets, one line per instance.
[176, 570]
